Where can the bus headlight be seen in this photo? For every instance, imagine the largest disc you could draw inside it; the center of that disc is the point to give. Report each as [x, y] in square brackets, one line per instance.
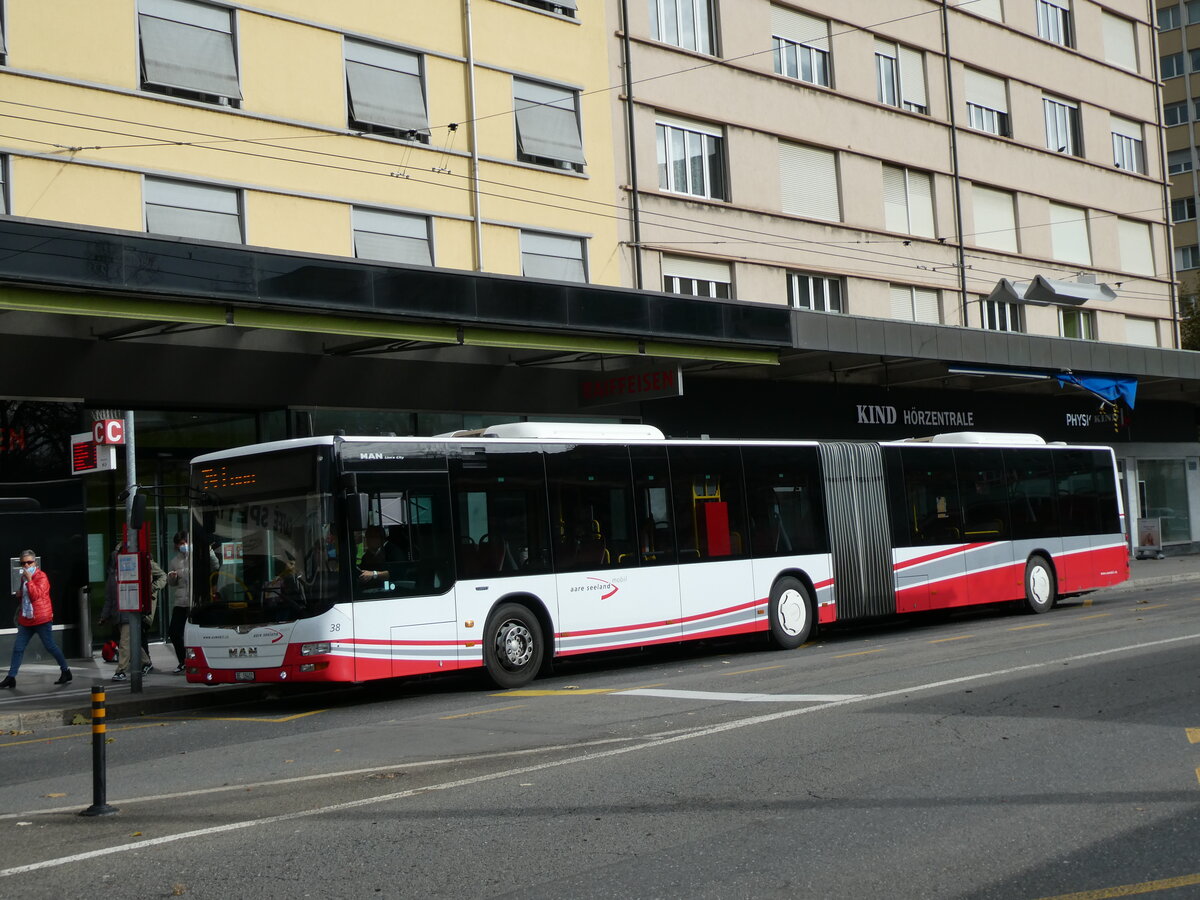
[315, 649]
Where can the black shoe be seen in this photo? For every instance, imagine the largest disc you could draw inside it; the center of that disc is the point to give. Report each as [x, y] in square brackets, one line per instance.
[120, 676]
[8, 682]
[147, 669]
[180, 669]
[65, 677]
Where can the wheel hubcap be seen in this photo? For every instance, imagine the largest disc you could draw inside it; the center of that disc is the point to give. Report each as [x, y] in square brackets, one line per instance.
[514, 644]
[1039, 585]
[792, 612]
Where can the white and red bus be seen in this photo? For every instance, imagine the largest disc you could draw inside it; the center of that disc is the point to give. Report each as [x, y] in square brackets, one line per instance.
[347, 559]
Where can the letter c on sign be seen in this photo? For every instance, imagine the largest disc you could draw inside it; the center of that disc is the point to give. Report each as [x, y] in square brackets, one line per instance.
[109, 431]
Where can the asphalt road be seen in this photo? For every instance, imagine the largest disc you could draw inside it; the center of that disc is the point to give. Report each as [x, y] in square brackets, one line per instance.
[990, 755]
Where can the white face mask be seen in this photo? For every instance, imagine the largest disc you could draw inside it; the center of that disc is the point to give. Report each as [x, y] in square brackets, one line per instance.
[183, 548]
[30, 568]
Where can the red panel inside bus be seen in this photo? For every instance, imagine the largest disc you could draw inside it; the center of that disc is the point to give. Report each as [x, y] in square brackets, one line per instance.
[714, 517]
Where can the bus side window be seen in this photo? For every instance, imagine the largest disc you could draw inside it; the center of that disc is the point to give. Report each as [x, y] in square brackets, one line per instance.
[709, 501]
[652, 506]
[591, 508]
[931, 495]
[983, 486]
[783, 499]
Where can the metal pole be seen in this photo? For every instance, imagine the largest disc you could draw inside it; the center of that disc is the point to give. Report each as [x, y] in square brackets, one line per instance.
[99, 805]
[85, 623]
[135, 618]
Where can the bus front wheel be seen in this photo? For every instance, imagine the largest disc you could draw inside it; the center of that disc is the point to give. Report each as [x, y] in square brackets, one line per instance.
[791, 613]
[512, 646]
[1039, 585]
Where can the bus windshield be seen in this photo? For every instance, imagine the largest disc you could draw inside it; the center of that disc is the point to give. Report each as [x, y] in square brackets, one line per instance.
[266, 550]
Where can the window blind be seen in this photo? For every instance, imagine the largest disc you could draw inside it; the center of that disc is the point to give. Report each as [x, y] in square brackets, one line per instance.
[1137, 251]
[188, 46]
[1069, 234]
[808, 182]
[799, 28]
[392, 237]
[385, 87]
[995, 219]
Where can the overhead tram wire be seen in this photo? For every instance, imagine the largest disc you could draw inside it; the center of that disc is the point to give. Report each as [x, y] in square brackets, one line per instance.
[780, 241]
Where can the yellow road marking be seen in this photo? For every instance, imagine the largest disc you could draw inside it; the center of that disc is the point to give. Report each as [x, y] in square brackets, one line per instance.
[1087, 601]
[1193, 735]
[556, 693]
[1128, 890]
[1038, 625]
[1155, 606]
[860, 653]
[961, 637]
[81, 734]
[484, 712]
[1096, 616]
[748, 671]
[274, 721]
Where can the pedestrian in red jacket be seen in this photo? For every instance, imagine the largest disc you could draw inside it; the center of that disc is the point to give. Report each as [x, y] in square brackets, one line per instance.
[35, 615]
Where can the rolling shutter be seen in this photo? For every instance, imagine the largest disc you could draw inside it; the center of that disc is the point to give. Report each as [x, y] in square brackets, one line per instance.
[385, 87]
[795, 26]
[1137, 252]
[808, 182]
[995, 220]
[1069, 234]
[188, 46]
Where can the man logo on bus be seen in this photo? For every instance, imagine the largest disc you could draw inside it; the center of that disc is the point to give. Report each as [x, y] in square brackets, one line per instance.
[243, 651]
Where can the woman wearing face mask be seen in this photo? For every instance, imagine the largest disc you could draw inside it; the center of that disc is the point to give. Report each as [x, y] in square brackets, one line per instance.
[35, 616]
[180, 579]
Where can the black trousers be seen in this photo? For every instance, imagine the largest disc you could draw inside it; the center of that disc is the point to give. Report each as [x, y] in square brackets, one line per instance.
[179, 616]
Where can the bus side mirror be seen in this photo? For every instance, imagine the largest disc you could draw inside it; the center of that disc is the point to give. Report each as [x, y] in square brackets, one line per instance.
[356, 510]
[137, 514]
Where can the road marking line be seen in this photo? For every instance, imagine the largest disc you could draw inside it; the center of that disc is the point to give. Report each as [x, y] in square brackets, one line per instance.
[269, 721]
[484, 712]
[1155, 606]
[1038, 625]
[738, 697]
[961, 637]
[859, 653]
[1127, 890]
[1193, 735]
[1096, 616]
[650, 744]
[555, 693]
[748, 671]
[80, 734]
[1087, 601]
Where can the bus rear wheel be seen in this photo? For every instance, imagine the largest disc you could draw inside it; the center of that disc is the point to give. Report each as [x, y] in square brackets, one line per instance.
[512, 646]
[791, 613]
[1040, 588]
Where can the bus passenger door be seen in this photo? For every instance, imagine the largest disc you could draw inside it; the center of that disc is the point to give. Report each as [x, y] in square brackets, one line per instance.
[930, 570]
[983, 485]
[403, 578]
[610, 544]
[716, 578]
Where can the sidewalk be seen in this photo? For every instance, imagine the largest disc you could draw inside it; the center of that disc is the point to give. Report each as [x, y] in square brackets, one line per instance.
[38, 703]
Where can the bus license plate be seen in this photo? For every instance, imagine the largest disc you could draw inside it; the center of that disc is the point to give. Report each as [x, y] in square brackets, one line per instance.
[243, 676]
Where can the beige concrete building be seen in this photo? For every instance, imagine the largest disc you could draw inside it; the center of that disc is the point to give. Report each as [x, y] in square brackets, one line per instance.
[897, 160]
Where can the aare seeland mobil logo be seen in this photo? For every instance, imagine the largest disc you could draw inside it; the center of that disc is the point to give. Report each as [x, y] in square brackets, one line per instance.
[598, 584]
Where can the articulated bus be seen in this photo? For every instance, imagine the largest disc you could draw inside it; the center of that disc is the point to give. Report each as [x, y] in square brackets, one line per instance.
[346, 559]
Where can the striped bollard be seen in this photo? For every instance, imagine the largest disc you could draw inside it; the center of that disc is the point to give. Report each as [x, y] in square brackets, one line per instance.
[99, 805]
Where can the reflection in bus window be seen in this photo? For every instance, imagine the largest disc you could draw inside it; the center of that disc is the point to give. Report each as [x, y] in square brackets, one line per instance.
[500, 524]
[783, 492]
[652, 506]
[591, 508]
[983, 487]
[406, 547]
[931, 495]
[1032, 497]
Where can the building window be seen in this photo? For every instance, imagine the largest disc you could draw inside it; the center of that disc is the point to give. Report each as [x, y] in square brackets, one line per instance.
[808, 182]
[187, 51]
[191, 210]
[1062, 126]
[1183, 209]
[1187, 257]
[697, 277]
[1143, 332]
[1129, 148]
[1069, 234]
[995, 218]
[561, 7]
[987, 103]
[900, 76]
[990, 9]
[547, 125]
[914, 304]
[552, 256]
[1054, 22]
[1135, 246]
[392, 237]
[801, 45]
[3, 44]
[1120, 41]
[1168, 18]
[385, 91]
[5, 207]
[819, 293]
[997, 315]
[1193, 11]
[691, 159]
[1171, 65]
[1195, 60]
[908, 201]
[1077, 323]
[1175, 113]
[1179, 161]
[684, 23]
